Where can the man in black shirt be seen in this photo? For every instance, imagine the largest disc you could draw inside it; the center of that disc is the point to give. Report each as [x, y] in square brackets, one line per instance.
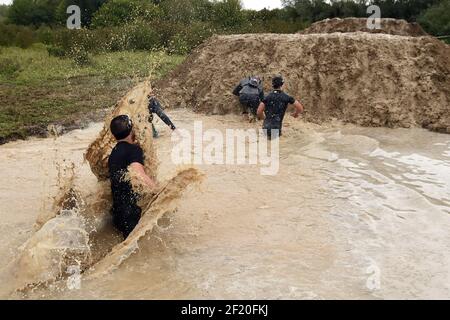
[274, 107]
[154, 107]
[126, 154]
[250, 92]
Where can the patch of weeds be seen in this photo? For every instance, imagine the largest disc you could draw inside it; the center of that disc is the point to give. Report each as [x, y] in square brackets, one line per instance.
[9, 68]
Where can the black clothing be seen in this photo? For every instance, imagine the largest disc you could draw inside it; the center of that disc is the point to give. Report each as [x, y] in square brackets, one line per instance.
[126, 212]
[250, 103]
[276, 105]
[249, 96]
[155, 107]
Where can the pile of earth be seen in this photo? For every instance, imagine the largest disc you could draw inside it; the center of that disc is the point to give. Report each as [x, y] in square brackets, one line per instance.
[362, 78]
[388, 26]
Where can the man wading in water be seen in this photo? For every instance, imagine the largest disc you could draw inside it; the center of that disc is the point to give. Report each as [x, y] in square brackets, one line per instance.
[274, 107]
[126, 154]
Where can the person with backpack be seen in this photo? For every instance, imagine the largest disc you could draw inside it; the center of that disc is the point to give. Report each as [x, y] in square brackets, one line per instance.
[250, 92]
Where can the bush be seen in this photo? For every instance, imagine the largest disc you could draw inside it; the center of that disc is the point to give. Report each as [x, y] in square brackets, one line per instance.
[56, 51]
[45, 35]
[9, 67]
[143, 36]
[24, 38]
[7, 34]
[198, 32]
[178, 45]
[12, 35]
[436, 20]
[80, 56]
[121, 12]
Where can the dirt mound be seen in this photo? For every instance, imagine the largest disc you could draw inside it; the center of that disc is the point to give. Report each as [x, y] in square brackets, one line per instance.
[388, 26]
[363, 78]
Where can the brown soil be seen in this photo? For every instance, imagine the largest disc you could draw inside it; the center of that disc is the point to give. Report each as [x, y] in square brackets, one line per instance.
[363, 78]
[388, 26]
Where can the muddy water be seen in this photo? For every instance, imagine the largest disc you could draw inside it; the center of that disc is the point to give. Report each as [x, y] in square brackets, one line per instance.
[353, 213]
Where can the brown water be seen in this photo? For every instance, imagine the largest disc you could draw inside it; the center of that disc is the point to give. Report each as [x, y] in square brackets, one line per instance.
[353, 213]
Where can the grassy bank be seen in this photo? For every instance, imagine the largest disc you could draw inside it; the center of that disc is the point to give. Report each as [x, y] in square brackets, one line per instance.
[37, 90]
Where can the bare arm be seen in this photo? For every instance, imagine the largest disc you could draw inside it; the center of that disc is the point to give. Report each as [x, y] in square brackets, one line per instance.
[298, 109]
[261, 109]
[139, 168]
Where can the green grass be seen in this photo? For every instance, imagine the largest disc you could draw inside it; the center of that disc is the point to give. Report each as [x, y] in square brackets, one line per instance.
[37, 89]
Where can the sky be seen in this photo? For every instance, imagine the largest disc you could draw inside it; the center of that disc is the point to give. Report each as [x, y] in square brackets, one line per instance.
[248, 4]
[261, 4]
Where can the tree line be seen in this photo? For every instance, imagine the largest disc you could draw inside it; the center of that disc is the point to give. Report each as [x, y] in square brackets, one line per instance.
[180, 25]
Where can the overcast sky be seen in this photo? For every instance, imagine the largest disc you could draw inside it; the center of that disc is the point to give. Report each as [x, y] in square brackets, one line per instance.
[248, 4]
[261, 4]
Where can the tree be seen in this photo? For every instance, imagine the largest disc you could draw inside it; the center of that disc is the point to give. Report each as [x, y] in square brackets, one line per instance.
[88, 9]
[228, 14]
[32, 12]
[3, 12]
[120, 12]
[436, 20]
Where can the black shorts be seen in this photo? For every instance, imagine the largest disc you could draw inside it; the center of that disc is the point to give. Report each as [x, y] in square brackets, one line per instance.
[250, 103]
[274, 128]
[126, 218]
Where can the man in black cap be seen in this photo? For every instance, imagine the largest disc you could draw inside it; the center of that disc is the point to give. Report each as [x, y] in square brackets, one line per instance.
[273, 108]
[250, 92]
[126, 154]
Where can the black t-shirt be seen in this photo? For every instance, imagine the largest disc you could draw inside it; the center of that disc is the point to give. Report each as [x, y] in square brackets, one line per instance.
[276, 104]
[122, 156]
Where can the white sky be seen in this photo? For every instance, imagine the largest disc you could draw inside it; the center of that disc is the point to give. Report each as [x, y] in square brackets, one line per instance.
[248, 4]
[261, 4]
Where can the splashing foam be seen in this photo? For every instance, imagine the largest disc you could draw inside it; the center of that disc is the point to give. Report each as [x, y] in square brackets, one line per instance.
[77, 232]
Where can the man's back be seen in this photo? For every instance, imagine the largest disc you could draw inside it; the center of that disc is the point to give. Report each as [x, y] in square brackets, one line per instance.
[121, 157]
[276, 105]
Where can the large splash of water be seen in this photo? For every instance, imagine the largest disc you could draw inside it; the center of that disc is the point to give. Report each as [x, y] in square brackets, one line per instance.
[76, 233]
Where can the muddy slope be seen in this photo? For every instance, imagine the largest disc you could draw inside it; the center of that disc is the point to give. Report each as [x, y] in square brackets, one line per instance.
[367, 79]
[388, 26]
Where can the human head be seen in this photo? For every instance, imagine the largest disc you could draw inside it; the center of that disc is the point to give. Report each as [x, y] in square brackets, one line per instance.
[277, 82]
[121, 127]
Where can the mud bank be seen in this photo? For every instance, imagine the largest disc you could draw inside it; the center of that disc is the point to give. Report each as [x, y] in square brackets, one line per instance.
[375, 80]
[388, 26]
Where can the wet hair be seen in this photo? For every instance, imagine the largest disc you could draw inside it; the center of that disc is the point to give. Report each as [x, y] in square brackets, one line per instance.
[121, 127]
[277, 82]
